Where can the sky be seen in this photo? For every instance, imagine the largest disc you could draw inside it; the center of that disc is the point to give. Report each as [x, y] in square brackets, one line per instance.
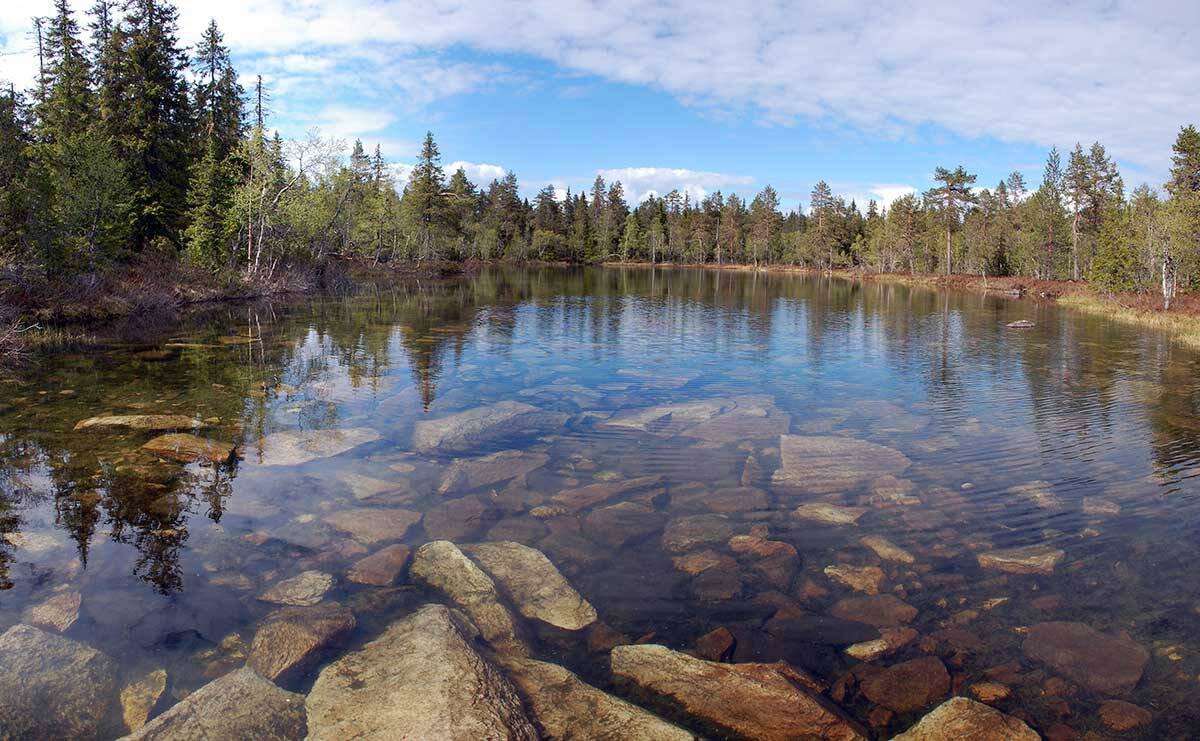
[705, 95]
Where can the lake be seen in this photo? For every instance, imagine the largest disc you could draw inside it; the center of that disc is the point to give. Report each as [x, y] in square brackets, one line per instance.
[850, 477]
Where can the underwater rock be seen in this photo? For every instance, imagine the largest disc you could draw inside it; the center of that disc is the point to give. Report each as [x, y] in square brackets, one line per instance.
[866, 579]
[587, 496]
[889, 490]
[1123, 716]
[830, 464]
[460, 519]
[302, 590]
[716, 645]
[1032, 559]
[795, 624]
[881, 611]
[139, 697]
[962, 718]
[381, 568]
[829, 514]
[720, 501]
[1110, 665]
[566, 707]
[908, 686]
[731, 419]
[296, 447]
[697, 562]
[420, 679]
[482, 425]
[1100, 506]
[185, 448]
[368, 487]
[58, 613]
[536, 587]
[990, 691]
[289, 639]
[52, 687]
[890, 640]
[442, 566]
[1039, 492]
[623, 523]
[669, 418]
[886, 549]
[774, 560]
[240, 704]
[1021, 324]
[472, 473]
[141, 422]
[696, 531]
[371, 525]
[761, 701]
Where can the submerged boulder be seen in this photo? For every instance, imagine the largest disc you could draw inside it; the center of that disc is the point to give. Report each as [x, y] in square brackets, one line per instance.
[962, 718]
[294, 447]
[829, 514]
[908, 686]
[139, 697]
[420, 679]
[185, 448]
[881, 611]
[381, 568]
[289, 639]
[761, 701]
[536, 587]
[141, 422]
[583, 497]
[1110, 665]
[472, 473]
[304, 589]
[57, 613]
[240, 704]
[566, 707]
[1032, 559]
[52, 687]
[831, 464]
[442, 566]
[371, 525]
[483, 425]
[732, 419]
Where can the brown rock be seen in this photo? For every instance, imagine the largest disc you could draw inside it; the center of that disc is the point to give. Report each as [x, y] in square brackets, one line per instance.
[374, 524]
[721, 501]
[472, 473]
[866, 579]
[1103, 663]
[689, 533]
[58, 613]
[1124, 716]
[697, 562]
[240, 704]
[886, 549]
[828, 514]
[185, 448]
[141, 422]
[460, 520]
[960, 718]
[534, 584]
[290, 639]
[139, 697]
[381, 568]
[304, 589]
[760, 701]
[620, 524]
[882, 611]
[908, 686]
[593, 494]
[716, 645]
[990, 691]
[890, 640]
[1034, 559]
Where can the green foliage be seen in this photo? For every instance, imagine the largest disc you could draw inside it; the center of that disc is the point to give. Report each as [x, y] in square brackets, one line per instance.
[1116, 264]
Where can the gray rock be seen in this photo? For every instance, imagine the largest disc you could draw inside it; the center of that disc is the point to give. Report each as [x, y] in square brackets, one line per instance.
[141, 422]
[419, 680]
[536, 587]
[483, 425]
[58, 613]
[52, 687]
[294, 447]
[472, 473]
[240, 704]
[831, 464]
[760, 701]
[442, 566]
[565, 707]
[291, 638]
[306, 588]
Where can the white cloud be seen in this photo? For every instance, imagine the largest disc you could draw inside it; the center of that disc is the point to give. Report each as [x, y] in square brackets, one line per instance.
[642, 182]
[482, 174]
[885, 193]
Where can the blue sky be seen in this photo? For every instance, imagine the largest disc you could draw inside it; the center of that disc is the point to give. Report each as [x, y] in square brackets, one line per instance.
[702, 95]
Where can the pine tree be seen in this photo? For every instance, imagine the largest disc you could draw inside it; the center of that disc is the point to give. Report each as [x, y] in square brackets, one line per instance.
[952, 196]
[765, 224]
[1185, 162]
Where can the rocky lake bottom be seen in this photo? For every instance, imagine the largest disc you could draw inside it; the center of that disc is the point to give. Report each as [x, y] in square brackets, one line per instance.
[604, 504]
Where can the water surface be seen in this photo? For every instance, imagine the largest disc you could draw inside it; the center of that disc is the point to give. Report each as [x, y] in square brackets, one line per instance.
[1080, 435]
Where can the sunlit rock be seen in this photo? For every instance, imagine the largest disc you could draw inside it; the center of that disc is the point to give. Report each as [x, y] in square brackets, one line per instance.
[185, 448]
[420, 679]
[141, 422]
[295, 447]
[890, 640]
[472, 473]
[290, 639]
[830, 464]
[381, 568]
[442, 566]
[52, 687]
[139, 697]
[962, 718]
[57, 613]
[828, 514]
[866, 579]
[240, 704]
[696, 531]
[534, 584]
[483, 425]
[1111, 665]
[1033, 559]
[886, 549]
[761, 701]
[307, 588]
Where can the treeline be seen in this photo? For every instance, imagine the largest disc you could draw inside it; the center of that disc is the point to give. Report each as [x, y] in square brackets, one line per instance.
[130, 144]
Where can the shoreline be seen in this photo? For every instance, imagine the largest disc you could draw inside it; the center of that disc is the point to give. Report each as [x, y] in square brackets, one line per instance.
[1181, 322]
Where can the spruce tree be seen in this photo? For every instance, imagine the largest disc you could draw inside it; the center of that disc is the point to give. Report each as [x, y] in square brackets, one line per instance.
[425, 200]
[217, 94]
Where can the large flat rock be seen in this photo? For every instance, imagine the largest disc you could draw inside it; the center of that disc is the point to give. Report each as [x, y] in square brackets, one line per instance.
[482, 426]
[187, 448]
[240, 704]
[535, 585]
[471, 473]
[419, 680]
[1111, 665]
[760, 701]
[732, 419]
[52, 687]
[566, 707]
[295, 447]
[831, 464]
[140, 422]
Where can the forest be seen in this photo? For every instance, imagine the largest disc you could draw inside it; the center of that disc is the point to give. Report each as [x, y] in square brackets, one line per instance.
[133, 146]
